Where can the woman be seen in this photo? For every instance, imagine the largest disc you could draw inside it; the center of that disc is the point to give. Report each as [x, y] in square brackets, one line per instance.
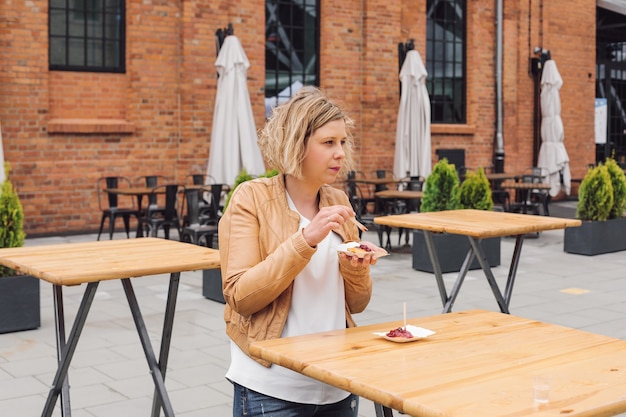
[282, 275]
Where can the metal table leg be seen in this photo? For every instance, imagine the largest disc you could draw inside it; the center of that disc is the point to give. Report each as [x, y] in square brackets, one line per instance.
[476, 250]
[382, 411]
[147, 348]
[59, 383]
[459, 281]
[508, 291]
[59, 320]
[482, 260]
[166, 338]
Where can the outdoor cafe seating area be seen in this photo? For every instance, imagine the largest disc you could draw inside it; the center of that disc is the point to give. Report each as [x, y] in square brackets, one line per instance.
[381, 193]
[191, 209]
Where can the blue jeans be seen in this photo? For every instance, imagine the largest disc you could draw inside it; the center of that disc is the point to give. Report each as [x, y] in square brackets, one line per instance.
[248, 403]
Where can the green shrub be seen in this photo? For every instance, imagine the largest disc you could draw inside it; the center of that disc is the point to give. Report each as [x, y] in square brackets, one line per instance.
[595, 195]
[475, 191]
[618, 181]
[11, 219]
[441, 190]
[243, 176]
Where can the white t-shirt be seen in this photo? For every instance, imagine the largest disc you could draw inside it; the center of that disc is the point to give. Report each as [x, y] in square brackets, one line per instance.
[318, 305]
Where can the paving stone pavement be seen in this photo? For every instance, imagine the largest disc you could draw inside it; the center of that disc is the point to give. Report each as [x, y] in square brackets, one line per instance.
[109, 376]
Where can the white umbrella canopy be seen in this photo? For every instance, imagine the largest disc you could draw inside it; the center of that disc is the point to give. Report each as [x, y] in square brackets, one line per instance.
[552, 154]
[233, 137]
[413, 148]
[2, 175]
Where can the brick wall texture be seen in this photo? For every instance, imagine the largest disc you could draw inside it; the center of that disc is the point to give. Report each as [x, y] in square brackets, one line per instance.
[156, 118]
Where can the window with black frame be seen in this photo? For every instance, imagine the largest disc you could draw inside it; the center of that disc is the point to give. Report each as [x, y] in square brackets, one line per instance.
[291, 48]
[87, 35]
[445, 63]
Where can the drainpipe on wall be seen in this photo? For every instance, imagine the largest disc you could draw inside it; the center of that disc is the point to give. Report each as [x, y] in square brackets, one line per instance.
[499, 152]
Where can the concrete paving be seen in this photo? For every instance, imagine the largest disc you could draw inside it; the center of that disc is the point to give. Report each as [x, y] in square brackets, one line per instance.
[109, 376]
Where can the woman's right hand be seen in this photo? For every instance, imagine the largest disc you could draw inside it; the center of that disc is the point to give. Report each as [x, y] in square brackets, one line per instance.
[327, 219]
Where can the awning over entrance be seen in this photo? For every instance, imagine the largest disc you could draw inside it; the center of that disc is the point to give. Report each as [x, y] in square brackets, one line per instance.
[617, 6]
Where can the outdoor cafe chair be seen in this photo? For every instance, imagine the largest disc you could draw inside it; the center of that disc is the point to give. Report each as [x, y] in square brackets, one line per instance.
[363, 215]
[111, 208]
[168, 218]
[534, 198]
[151, 181]
[195, 232]
[199, 179]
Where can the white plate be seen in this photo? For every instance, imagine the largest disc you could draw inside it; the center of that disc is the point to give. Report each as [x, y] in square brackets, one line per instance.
[345, 246]
[417, 332]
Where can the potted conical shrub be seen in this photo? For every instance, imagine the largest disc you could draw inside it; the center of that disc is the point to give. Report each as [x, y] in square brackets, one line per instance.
[601, 205]
[443, 192]
[19, 294]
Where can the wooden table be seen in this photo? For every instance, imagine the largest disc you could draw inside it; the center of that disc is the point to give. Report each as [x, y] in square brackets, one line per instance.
[501, 176]
[524, 188]
[92, 262]
[399, 195]
[374, 181]
[478, 363]
[476, 225]
[137, 192]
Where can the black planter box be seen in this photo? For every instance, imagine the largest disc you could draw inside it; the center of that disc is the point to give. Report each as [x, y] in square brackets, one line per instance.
[451, 251]
[19, 304]
[595, 238]
[212, 285]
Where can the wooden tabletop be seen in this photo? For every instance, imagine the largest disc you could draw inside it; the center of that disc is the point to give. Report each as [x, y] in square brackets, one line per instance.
[374, 181]
[479, 224]
[498, 176]
[77, 263]
[402, 195]
[135, 190]
[478, 363]
[526, 185]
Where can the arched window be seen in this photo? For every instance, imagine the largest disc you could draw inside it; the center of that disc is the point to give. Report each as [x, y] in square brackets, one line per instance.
[291, 48]
[445, 60]
[87, 35]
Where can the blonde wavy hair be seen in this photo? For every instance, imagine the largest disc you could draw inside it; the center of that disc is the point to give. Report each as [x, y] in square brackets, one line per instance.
[286, 134]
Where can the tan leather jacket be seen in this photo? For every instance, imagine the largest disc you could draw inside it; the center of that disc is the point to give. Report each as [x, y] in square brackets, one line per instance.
[262, 251]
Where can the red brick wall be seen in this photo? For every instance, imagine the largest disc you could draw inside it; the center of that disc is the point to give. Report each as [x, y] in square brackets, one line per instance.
[162, 107]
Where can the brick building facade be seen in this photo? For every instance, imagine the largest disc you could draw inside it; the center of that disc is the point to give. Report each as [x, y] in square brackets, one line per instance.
[62, 130]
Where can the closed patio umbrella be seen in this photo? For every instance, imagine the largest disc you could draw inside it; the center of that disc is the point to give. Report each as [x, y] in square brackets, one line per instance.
[1, 159]
[552, 154]
[413, 149]
[233, 137]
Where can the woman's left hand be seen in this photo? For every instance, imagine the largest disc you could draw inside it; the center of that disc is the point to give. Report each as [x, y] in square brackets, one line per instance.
[367, 259]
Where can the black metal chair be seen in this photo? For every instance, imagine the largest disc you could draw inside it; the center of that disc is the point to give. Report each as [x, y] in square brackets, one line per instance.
[113, 210]
[151, 181]
[195, 232]
[415, 183]
[359, 205]
[534, 199]
[167, 218]
[200, 179]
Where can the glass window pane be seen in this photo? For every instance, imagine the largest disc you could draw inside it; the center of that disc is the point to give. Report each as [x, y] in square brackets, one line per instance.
[57, 51]
[445, 46]
[57, 22]
[291, 47]
[87, 34]
[112, 27]
[111, 54]
[94, 53]
[95, 27]
[76, 52]
[76, 25]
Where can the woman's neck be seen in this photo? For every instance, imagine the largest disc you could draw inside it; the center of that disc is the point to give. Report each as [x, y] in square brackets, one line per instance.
[304, 196]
